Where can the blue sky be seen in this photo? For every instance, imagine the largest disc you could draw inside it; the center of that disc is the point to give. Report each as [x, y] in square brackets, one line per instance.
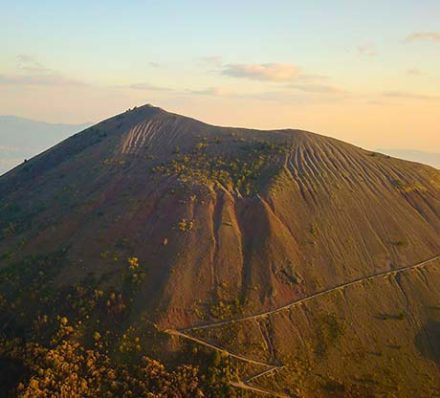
[305, 63]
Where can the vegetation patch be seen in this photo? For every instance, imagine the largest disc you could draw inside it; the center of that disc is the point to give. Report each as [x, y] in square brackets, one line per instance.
[400, 316]
[241, 172]
[67, 366]
[185, 225]
[226, 309]
[328, 331]
[15, 219]
[75, 339]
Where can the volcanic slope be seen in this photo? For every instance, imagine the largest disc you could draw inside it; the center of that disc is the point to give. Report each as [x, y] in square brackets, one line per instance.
[177, 223]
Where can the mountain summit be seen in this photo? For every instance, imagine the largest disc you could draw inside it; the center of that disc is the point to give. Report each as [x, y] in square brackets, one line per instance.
[284, 247]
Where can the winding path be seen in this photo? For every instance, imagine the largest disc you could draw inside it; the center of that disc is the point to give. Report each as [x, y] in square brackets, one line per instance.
[313, 296]
[271, 367]
[263, 373]
[245, 386]
[216, 348]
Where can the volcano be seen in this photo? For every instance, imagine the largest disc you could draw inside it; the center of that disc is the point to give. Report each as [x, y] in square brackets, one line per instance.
[311, 263]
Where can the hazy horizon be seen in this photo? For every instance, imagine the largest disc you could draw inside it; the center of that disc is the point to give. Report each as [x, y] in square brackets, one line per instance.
[24, 138]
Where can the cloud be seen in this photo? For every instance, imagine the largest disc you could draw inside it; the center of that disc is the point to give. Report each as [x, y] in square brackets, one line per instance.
[8, 149]
[283, 95]
[414, 71]
[33, 73]
[367, 50]
[148, 86]
[28, 63]
[263, 72]
[214, 91]
[214, 60]
[154, 64]
[317, 88]
[39, 80]
[409, 95]
[423, 36]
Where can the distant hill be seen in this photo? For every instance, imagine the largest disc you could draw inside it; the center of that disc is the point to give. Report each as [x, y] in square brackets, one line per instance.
[310, 263]
[429, 158]
[22, 138]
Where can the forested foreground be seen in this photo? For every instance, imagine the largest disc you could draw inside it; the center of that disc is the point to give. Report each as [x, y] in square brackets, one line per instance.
[66, 368]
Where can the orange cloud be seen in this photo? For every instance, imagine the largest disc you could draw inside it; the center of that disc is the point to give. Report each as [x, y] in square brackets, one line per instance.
[317, 88]
[408, 95]
[423, 36]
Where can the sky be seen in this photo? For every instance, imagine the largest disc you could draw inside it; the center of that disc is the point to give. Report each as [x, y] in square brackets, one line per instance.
[366, 72]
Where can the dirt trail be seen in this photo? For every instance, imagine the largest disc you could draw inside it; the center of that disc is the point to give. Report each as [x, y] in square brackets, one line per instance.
[244, 386]
[263, 373]
[240, 384]
[313, 296]
[216, 348]
[273, 368]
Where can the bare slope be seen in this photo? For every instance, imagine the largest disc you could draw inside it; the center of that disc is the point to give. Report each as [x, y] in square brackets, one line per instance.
[224, 222]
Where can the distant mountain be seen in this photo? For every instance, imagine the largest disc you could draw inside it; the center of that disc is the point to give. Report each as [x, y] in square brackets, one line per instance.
[311, 264]
[429, 158]
[22, 138]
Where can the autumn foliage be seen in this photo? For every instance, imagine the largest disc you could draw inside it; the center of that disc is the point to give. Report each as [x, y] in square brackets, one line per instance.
[68, 370]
